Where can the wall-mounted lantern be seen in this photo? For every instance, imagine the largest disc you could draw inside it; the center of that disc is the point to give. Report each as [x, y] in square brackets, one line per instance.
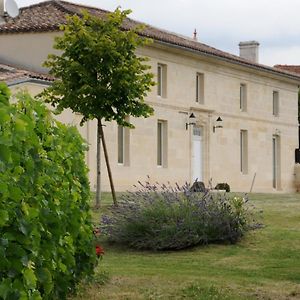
[218, 124]
[191, 121]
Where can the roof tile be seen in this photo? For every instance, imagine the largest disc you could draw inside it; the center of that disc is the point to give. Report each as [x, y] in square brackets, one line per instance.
[290, 68]
[49, 15]
[10, 74]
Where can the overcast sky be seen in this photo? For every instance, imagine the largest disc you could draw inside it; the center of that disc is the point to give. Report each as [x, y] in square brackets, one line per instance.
[275, 24]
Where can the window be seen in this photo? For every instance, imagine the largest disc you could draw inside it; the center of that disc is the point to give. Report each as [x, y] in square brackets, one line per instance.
[162, 143]
[162, 80]
[243, 97]
[244, 151]
[275, 103]
[123, 145]
[200, 88]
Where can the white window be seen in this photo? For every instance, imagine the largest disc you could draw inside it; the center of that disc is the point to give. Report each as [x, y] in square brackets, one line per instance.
[244, 151]
[275, 103]
[162, 143]
[162, 80]
[200, 88]
[243, 97]
[123, 145]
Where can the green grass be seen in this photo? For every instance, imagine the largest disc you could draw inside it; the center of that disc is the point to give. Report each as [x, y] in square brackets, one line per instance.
[264, 265]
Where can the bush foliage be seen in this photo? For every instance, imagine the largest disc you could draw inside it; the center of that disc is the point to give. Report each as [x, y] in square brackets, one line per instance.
[165, 217]
[46, 239]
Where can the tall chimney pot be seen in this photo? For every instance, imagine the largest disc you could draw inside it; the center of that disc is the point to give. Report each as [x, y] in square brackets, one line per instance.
[195, 35]
[249, 50]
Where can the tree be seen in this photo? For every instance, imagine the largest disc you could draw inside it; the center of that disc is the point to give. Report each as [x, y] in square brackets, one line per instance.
[99, 74]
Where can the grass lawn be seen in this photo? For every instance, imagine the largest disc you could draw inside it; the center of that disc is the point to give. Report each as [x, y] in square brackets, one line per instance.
[264, 265]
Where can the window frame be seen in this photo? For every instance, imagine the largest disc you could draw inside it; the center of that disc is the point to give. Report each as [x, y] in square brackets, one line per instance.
[121, 145]
[199, 88]
[275, 103]
[244, 151]
[161, 80]
[276, 162]
[162, 144]
[243, 97]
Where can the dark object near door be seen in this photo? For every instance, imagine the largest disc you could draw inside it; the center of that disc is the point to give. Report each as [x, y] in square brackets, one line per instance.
[297, 156]
[198, 187]
[223, 186]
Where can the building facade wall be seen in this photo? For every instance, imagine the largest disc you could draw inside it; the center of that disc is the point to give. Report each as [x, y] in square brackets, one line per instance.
[28, 50]
[221, 150]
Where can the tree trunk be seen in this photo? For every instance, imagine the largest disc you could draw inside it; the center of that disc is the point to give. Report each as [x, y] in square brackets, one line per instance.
[98, 188]
[108, 166]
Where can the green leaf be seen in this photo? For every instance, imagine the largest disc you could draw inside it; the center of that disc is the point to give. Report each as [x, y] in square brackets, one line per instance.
[62, 267]
[23, 295]
[15, 193]
[29, 278]
[4, 189]
[4, 217]
[5, 154]
[5, 288]
[4, 116]
[33, 213]
[36, 296]
[24, 227]
[25, 260]
[20, 125]
[44, 277]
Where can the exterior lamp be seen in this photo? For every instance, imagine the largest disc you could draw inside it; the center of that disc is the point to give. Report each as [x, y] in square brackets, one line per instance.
[191, 121]
[218, 124]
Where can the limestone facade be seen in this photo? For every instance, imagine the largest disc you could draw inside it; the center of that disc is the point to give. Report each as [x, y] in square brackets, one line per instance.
[255, 146]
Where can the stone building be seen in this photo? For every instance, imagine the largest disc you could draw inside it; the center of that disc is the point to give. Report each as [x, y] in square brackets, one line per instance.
[257, 104]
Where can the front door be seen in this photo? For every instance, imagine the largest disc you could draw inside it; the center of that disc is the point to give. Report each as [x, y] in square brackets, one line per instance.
[197, 165]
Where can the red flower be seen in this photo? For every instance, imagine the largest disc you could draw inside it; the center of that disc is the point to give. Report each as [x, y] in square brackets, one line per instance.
[99, 251]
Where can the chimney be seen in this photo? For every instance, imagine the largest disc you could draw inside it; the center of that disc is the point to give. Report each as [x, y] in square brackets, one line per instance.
[194, 35]
[249, 50]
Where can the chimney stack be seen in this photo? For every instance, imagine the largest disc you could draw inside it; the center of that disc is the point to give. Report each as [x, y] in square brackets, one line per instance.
[195, 35]
[249, 50]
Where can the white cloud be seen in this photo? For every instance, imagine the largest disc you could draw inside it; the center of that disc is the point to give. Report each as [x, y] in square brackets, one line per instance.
[281, 55]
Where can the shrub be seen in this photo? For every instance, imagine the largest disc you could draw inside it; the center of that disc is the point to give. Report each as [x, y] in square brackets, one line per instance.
[223, 186]
[165, 217]
[46, 238]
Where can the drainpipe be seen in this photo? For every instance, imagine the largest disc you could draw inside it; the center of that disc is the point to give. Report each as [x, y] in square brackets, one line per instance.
[297, 151]
[299, 136]
[2, 11]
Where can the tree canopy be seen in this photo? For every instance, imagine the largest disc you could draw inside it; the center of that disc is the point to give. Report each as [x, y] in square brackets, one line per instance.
[99, 74]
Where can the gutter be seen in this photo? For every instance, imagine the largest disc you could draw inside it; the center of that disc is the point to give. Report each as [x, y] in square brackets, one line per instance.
[29, 80]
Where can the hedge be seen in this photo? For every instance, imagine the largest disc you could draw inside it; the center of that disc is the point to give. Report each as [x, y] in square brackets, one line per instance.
[46, 239]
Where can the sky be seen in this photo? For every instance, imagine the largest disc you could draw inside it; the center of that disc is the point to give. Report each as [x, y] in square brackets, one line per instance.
[222, 24]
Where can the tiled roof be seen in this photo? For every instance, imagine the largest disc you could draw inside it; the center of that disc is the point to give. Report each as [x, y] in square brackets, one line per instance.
[12, 75]
[49, 15]
[290, 68]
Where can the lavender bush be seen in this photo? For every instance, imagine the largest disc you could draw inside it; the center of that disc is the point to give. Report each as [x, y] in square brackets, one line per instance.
[162, 217]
